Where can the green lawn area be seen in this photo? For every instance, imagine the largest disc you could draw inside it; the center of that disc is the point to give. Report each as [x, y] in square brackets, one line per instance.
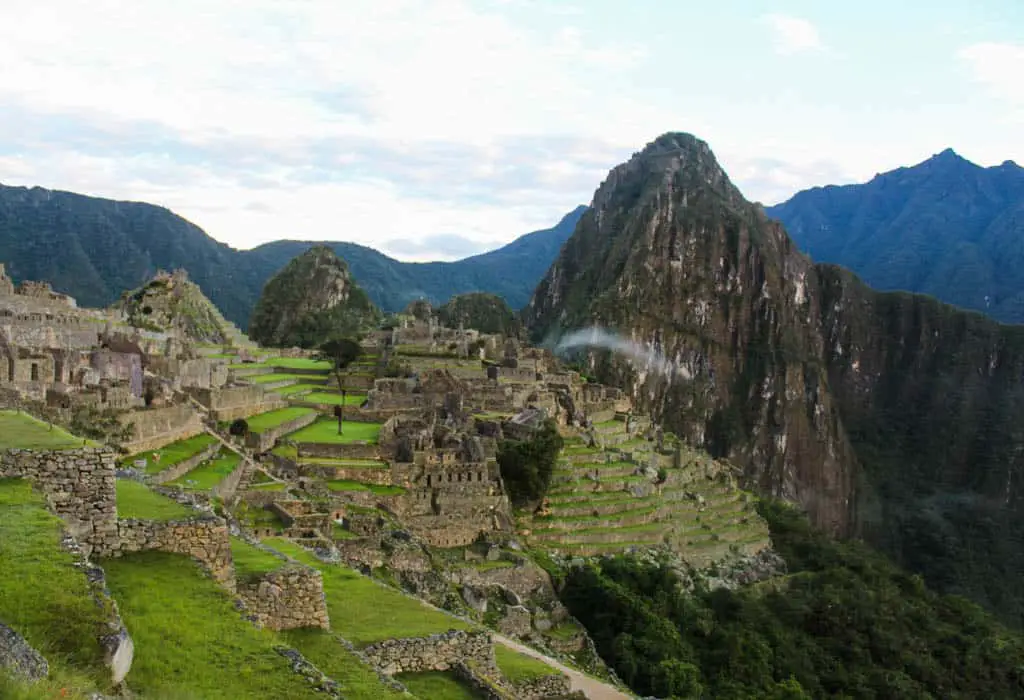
[135, 500]
[299, 363]
[347, 485]
[190, 642]
[209, 474]
[327, 431]
[252, 561]
[265, 421]
[362, 611]
[20, 430]
[334, 399]
[518, 667]
[346, 463]
[297, 389]
[270, 378]
[43, 595]
[172, 454]
[357, 680]
[436, 685]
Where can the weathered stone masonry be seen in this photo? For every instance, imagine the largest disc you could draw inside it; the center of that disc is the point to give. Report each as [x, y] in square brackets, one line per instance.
[205, 539]
[287, 598]
[438, 652]
[79, 486]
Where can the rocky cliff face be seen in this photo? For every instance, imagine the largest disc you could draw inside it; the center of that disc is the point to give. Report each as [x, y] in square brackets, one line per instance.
[869, 409]
[172, 302]
[309, 301]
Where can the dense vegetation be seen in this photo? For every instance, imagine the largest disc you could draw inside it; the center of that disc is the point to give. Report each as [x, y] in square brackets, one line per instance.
[94, 249]
[845, 623]
[311, 301]
[527, 465]
[945, 227]
[487, 313]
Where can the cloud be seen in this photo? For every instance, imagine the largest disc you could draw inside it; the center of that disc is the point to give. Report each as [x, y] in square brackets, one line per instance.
[442, 246]
[792, 35]
[999, 67]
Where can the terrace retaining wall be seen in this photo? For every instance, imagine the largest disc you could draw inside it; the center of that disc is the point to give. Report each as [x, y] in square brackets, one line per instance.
[331, 450]
[226, 488]
[264, 441]
[286, 599]
[438, 652]
[152, 428]
[185, 466]
[205, 539]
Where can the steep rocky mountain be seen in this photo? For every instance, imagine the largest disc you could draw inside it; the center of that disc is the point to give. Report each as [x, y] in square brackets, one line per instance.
[884, 414]
[945, 227]
[311, 300]
[94, 249]
[487, 313]
[173, 302]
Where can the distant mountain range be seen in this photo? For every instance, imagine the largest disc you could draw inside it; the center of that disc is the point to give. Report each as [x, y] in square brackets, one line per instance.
[94, 249]
[946, 227]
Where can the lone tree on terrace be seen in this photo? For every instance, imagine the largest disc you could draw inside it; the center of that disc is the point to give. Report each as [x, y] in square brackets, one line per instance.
[340, 352]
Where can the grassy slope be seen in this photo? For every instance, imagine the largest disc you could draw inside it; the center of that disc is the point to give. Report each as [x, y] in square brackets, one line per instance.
[334, 399]
[272, 419]
[362, 611]
[42, 594]
[172, 454]
[357, 680]
[135, 500]
[190, 641]
[327, 431]
[252, 561]
[518, 667]
[208, 475]
[20, 430]
[436, 686]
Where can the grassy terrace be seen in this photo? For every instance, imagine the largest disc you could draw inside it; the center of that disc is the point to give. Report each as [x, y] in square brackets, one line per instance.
[190, 642]
[334, 399]
[207, 475]
[362, 610]
[346, 463]
[518, 667]
[358, 681]
[297, 389]
[299, 363]
[327, 431]
[22, 431]
[280, 377]
[348, 485]
[135, 500]
[252, 561]
[266, 421]
[172, 454]
[43, 595]
[436, 685]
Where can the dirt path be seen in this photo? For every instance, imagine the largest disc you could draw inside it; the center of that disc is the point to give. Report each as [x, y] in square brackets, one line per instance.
[591, 687]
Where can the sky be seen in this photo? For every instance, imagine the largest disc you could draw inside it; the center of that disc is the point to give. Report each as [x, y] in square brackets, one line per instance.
[439, 129]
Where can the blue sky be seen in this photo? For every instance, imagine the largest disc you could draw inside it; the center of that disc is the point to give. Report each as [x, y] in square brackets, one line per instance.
[434, 130]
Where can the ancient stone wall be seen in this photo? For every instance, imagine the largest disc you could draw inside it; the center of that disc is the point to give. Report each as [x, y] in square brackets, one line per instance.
[205, 539]
[330, 450]
[155, 427]
[29, 333]
[438, 652]
[454, 517]
[553, 686]
[226, 488]
[185, 466]
[264, 441]
[287, 598]
[229, 403]
[380, 477]
[79, 486]
[201, 373]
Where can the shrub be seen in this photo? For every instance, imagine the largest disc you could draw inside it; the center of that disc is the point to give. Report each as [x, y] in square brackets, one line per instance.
[527, 465]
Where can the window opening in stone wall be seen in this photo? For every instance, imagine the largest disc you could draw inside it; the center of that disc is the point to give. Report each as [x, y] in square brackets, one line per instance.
[10, 369]
[35, 372]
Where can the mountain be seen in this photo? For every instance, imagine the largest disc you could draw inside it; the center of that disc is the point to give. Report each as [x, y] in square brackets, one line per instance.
[94, 249]
[172, 301]
[487, 313]
[945, 227]
[311, 300]
[886, 415]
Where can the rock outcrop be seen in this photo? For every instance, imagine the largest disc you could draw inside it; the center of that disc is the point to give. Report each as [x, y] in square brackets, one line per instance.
[313, 298]
[18, 658]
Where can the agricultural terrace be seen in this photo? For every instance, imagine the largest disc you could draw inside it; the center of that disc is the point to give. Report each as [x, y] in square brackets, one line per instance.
[327, 431]
[22, 431]
[272, 419]
[172, 454]
[136, 500]
[210, 473]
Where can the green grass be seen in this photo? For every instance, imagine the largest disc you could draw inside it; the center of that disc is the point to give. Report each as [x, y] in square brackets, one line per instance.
[172, 454]
[492, 565]
[208, 475]
[327, 431]
[266, 421]
[276, 377]
[22, 431]
[345, 463]
[364, 612]
[518, 667]
[286, 451]
[252, 561]
[292, 389]
[348, 485]
[435, 685]
[332, 399]
[357, 680]
[43, 595]
[135, 500]
[299, 363]
[190, 642]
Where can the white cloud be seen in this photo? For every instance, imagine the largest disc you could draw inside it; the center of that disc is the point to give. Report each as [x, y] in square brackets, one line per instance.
[999, 67]
[792, 35]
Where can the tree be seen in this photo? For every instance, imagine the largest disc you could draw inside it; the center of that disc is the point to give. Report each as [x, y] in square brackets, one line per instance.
[527, 465]
[340, 352]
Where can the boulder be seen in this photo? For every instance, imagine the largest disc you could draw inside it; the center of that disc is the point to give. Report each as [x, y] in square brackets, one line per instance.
[20, 659]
